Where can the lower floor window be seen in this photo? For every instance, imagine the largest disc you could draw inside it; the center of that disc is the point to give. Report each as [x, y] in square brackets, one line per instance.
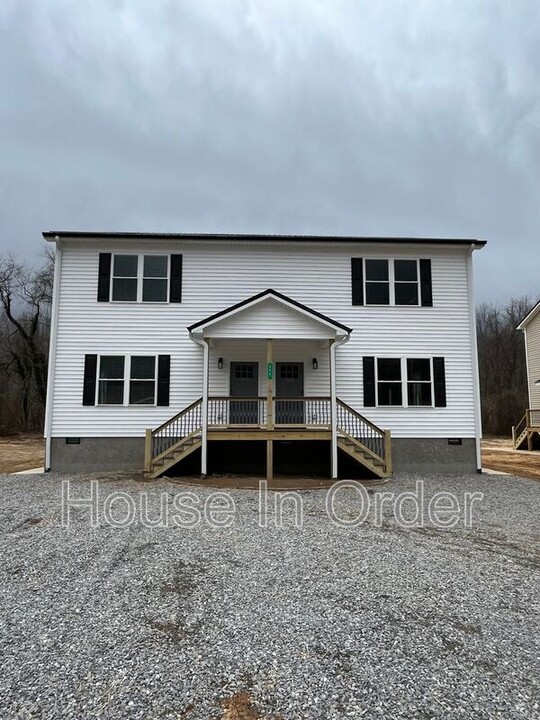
[127, 380]
[404, 381]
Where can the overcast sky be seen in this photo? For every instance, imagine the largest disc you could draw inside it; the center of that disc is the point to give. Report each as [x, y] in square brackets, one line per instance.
[387, 117]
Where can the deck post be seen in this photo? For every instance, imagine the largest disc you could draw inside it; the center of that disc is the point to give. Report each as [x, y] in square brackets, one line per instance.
[269, 460]
[148, 450]
[388, 452]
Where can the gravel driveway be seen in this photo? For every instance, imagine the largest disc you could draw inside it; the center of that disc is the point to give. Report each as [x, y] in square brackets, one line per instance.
[244, 622]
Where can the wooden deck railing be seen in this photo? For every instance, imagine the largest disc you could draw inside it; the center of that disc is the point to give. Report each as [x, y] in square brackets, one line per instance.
[185, 423]
[229, 412]
[350, 422]
[225, 411]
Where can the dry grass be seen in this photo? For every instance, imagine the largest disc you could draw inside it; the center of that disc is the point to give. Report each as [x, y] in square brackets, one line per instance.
[21, 452]
[498, 454]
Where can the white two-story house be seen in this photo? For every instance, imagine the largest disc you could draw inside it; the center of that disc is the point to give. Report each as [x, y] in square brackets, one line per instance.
[274, 354]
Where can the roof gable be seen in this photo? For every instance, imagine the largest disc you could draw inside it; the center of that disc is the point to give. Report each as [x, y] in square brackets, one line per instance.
[271, 314]
[529, 317]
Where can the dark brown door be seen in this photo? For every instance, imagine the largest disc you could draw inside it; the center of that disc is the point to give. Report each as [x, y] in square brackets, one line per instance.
[244, 384]
[289, 384]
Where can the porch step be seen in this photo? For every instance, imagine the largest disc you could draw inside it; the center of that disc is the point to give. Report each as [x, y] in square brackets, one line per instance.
[363, 456]
[521, 440]
[178, 452]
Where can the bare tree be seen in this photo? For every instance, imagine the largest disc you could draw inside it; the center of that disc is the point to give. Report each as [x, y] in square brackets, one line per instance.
[25, 301]
[502, 364]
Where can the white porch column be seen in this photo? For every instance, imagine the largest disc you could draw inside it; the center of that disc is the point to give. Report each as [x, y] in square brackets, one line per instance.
[333, 409]
[204, 409]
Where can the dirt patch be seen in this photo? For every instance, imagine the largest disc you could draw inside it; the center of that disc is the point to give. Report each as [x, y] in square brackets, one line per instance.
[21, 452]
[498, 454]
[240, 707]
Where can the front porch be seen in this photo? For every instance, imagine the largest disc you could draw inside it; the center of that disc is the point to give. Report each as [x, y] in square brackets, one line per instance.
[183, 434]
[269, 375]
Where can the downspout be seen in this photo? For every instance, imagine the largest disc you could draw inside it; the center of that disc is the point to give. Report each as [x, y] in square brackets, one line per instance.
[52, 352]
[333, 402]
[475, 369]
[204, 410]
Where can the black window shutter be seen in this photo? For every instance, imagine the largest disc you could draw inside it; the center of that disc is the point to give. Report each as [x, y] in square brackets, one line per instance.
[439, 381]
[164, 379]
[357, 281]
[104, 277]
[175, 292]
[89, 383]
[369, 382]
[426, 292]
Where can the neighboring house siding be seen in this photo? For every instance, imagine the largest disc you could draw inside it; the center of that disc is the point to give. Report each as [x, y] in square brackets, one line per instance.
[532, 338]
[217, 275]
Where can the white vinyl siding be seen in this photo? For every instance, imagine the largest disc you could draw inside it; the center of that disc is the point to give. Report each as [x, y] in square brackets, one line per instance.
[532, 338]
[218, 275]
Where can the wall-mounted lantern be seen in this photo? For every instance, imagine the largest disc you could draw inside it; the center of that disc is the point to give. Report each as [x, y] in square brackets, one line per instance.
[315, 364]
[220, 363]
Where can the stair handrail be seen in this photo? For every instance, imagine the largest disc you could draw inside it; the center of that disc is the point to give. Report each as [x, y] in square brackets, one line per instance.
[186, 422]
[518, 429]
[363, 430]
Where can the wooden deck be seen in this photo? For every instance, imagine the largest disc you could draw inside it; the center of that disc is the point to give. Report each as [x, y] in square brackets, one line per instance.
[268, 420]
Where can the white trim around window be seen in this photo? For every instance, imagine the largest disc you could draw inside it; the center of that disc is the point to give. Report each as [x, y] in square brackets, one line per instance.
[126, 379]
[405, 381]
[391, 282]
[140, 278]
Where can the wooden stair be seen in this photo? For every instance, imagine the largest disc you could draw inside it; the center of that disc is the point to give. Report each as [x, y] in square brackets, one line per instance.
[365, 442]
[173, 441]
[526, 433]
[363, 456]
[174, 454]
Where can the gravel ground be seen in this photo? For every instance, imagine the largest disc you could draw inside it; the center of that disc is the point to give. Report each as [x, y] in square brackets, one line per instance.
[313, 622]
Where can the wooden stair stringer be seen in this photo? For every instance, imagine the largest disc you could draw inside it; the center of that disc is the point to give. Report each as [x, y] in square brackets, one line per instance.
[175, 454]
[358, 452]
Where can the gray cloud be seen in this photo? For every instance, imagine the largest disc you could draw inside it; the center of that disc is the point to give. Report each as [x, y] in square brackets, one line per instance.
[400, 118]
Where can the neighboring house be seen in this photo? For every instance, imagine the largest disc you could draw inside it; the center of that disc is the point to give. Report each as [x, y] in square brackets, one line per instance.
[527, 432]
[362, 351]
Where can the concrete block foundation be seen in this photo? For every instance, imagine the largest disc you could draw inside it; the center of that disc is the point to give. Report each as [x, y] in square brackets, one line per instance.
[421, 455]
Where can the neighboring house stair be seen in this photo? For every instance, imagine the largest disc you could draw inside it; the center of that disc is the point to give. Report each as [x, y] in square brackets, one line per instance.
[526, 434]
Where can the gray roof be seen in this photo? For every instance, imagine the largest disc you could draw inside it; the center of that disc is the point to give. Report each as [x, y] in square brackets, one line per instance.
[52, 234]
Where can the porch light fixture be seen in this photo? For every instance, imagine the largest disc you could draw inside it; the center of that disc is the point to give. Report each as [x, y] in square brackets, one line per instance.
[315, 364]
[220, 363]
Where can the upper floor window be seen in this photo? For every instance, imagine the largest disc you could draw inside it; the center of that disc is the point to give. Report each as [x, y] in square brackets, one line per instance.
[391, 281]
[140, 278]
[127, 277]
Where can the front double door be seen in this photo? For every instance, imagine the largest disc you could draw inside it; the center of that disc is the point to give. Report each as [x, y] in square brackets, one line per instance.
[244, 385]
[289, 384]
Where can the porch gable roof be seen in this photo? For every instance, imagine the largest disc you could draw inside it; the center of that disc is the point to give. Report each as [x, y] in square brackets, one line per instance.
[278, 297]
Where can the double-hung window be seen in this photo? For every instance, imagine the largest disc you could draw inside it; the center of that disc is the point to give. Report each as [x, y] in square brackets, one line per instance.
[142, 381]
[404, 382]
[140, 278]
[111, 380]
[389, 387]
[419, 385]
[126, 380]
[382, 281]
